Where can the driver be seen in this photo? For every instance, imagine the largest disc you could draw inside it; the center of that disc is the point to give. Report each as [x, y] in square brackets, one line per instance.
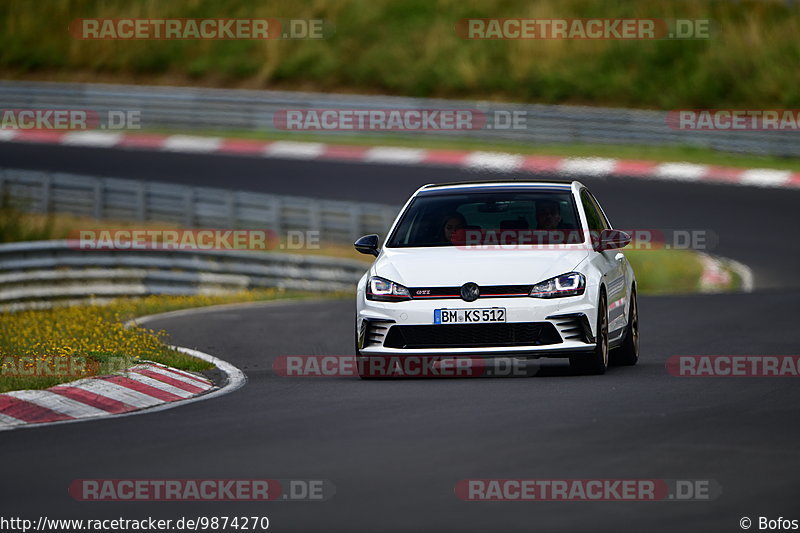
[453, 223]
[548, 215]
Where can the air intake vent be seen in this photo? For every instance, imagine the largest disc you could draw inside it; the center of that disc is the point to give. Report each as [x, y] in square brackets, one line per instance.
[573, 327]
[373, 332]
[472, 335]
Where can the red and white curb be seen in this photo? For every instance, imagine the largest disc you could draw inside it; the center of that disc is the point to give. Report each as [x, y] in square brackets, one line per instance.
[142, 388]
[716, 276]
[476, 160]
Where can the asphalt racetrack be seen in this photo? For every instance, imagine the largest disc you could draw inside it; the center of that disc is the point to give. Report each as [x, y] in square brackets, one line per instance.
[396, 449]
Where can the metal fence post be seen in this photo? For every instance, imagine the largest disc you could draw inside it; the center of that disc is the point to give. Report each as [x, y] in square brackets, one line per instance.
[188, 207]
[141, 197]
[277, 215]
[230, 206]
[315, 219]
[98, 199]
[355, 223]
[45, 202]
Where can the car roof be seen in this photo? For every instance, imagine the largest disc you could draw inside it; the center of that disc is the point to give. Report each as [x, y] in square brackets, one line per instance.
[500, 184]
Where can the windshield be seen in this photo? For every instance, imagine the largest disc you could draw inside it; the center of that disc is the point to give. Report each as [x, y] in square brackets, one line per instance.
[479, 218]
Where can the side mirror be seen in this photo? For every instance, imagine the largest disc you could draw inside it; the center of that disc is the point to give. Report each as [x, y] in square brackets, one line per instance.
[612, 239]
[368, 244]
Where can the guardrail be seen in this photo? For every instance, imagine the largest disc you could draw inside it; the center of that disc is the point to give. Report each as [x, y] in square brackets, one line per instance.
[191, 207]
[40, 273]
[228, 109]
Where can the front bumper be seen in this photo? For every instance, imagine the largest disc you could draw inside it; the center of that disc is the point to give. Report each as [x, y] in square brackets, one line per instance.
[570, 317]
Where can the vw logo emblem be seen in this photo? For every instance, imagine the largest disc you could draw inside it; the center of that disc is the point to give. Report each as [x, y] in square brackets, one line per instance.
[470, 292]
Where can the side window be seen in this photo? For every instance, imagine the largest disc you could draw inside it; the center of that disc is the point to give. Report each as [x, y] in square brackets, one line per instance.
[593, 217]
[603, 219]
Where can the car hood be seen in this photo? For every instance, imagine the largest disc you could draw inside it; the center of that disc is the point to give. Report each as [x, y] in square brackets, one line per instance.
[450, 266]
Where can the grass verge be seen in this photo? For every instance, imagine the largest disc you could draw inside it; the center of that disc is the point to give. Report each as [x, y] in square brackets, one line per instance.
[666, 271]
[42, 348]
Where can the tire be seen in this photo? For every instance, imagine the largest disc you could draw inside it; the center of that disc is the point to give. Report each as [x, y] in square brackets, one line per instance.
[595, 362]
[628, 353]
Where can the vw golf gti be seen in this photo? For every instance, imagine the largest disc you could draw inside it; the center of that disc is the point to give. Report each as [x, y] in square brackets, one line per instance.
[516, 268]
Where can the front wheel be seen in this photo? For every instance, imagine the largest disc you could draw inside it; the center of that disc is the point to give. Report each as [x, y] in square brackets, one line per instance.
[628, 353]
[595, 362]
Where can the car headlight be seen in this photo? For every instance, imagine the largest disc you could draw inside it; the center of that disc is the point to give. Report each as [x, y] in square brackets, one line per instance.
[572, 284]
[383, 290]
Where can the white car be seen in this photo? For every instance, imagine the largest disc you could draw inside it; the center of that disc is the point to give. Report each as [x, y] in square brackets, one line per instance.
[499, 268]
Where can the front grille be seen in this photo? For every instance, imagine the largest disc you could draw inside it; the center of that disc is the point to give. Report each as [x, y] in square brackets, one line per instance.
[487, 291]
[472, 335]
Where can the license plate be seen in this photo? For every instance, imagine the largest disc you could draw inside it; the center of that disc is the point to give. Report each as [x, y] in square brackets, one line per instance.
[469, 316]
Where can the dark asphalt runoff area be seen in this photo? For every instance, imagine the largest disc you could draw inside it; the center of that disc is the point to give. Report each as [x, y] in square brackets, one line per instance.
[395, 449]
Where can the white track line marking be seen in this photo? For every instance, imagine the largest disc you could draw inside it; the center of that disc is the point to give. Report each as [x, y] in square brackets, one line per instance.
[157, 384]
[191, 143]
[160, 385]
[496, 161]
[592, 166]
[9, 420]
[92, 138]
[56, 402]
[116, 392]
[387, 154]
[183, 378]
[765, 177]
[745, 274]
[7, 135]
[681, 171]
[295, 150]
[236, 379]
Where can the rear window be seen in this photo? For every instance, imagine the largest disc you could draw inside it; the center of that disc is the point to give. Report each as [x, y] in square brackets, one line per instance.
[540, 217]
